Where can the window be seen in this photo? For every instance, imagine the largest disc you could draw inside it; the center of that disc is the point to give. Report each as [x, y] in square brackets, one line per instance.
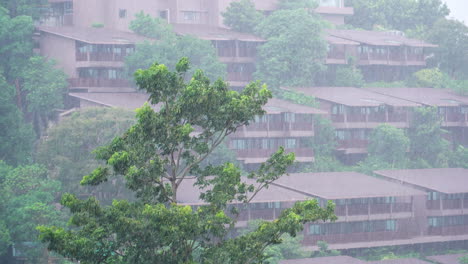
[122, 13]
[337, 109]
[290, 143]
[432, 196]
[314, 229]
[238, 144]
[390, 225]
[191, 16]
[289, 117]
[164, 14]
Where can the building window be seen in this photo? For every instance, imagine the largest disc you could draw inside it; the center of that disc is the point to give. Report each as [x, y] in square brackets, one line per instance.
[290, 143]
[191, 16]
[432, 196]
[338, 109]
[314, 229]
[390, 225]
[289, 117]
[164, 14]
[122, 13]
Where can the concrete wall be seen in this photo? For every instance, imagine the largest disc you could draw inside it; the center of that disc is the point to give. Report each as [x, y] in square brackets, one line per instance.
[62, 50]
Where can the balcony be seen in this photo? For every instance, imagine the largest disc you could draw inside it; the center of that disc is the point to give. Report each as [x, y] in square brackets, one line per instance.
[89, 82]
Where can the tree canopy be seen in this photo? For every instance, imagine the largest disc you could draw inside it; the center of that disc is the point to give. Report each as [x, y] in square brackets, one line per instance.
[166, 47]
[389, 144]
[451, 55]
[294, 51]
[396, 14]
[242, 16]
[156, 156]
[66, 151]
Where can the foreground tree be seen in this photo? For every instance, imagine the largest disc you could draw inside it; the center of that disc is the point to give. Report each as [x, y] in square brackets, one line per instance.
[28, 198]
[155, 156]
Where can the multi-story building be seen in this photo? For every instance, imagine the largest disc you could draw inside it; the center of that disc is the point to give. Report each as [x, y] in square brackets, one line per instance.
[453, 108]
[92, 58]
[368, 208]
[59, 13]
[446, 211]
[356, 112]
[351, 260]
[380, 55]
[285, 124]
[266, 205]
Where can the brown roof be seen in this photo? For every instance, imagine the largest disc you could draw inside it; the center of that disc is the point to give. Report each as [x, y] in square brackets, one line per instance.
[324, 260]
[94, 35]
[351, 96]
[130, 101]
[189, 194]
[378, 38]
[426, 96]
[340, 41]
[447, 259]
[213, 33]
[400, 261]
[394, 242]
[344, 185]
[445, 180]
[276, 106]
[334, 10]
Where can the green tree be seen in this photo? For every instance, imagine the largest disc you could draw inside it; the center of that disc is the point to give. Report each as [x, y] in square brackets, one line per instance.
[348, 76]
[459, 158]
[324, 251]
[16, 135]
[294, 51]
[242, 16]
[43, 88]
[295, 4]
[451, 55]
[154, 157]
[31, 8]
[66, 151]
[426, 137]
[167, 48]
[464, 259]
[397, 14]
[16, 49]
[389, 144]
[28, 198]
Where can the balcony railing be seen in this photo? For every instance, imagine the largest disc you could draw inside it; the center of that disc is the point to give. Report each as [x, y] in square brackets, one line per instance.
[88, 82]
[99, 56]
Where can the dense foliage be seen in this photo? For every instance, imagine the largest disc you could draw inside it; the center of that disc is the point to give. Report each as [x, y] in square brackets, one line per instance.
[155, 157]
[167, 47]
[67, 149]
[242, 16]
[294, 52]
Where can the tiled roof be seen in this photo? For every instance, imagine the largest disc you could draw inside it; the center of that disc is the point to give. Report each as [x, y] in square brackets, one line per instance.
[324, 260]
[344, 185]
[129, 101]
[189, 194]
[447, 259]
[354, 96]
[400, 261]
[276, 106]
[445, 180]
[213, 33]
[426, 96]
[94, 35]
[378, 38]
[335, 10]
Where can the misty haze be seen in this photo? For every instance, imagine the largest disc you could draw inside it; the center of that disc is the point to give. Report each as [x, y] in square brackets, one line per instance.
[234, 131]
